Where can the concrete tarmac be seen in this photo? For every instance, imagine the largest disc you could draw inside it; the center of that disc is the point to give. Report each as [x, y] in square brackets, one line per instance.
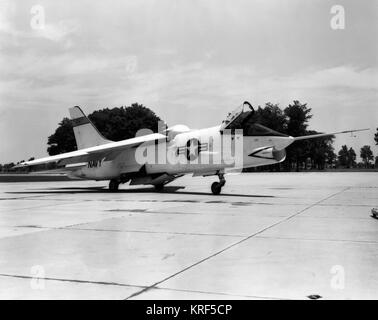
[267, 236]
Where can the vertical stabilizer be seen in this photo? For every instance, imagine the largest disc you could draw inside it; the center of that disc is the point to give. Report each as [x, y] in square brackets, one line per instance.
[86, 134]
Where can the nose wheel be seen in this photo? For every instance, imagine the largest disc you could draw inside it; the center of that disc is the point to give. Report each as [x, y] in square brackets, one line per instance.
[216, 187]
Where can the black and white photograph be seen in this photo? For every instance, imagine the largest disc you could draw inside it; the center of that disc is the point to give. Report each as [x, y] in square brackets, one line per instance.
[188, 150]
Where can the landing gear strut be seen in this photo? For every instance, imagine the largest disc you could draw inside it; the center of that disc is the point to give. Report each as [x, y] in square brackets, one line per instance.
[113, 185]
[159, 187]
[216, 187]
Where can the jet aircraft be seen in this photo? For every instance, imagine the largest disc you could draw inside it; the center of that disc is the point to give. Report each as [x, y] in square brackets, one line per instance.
[159, 158]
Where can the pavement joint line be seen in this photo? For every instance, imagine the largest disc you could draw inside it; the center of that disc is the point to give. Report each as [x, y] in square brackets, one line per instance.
[345, 205]
[131, 231]
[36, 198]
[234, 244]
[73, 280]
[162, 232]
[20, 235]
[314, 239]
[201, 202]
[207, 213]
[26, 198]
[335, 218]
[162, 212]
[44, 206]
[220, 293]
[152, 211]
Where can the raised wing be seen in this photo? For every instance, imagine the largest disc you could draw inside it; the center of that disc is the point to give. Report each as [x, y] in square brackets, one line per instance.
[313, 136]
[109, 151]
[91, 144]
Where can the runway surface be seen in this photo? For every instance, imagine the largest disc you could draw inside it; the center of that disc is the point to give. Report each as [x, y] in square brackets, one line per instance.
[267, 236]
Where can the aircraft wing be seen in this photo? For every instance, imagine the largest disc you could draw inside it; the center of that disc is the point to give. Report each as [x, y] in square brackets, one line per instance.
[312, 136]
[62, 170]
[109, 150]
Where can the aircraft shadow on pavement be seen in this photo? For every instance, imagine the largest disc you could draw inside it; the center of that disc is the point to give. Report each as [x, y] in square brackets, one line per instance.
[167, 190]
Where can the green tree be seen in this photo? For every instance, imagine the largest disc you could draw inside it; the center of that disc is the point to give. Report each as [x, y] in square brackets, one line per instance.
[272, 117]
[123, 123]
[347, 157]
[376, 137]
[343, 156]
[8, 166]
[331, 157]
[319, 150]
[63, 140]
[298, 116]
[366, 155]
[114, 124]
[351, 158]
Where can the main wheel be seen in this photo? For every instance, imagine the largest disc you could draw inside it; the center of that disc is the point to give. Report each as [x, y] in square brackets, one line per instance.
[159, 187]
[113, 185]
[216, 188]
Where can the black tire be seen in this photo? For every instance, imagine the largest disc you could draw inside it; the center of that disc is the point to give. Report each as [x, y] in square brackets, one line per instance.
[159, 187]
[113, 185]
[216, 188]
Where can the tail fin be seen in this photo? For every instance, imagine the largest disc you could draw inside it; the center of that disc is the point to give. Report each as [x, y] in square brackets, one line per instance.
[86, 134]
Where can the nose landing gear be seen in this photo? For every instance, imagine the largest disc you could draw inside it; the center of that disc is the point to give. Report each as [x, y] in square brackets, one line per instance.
[216, 187]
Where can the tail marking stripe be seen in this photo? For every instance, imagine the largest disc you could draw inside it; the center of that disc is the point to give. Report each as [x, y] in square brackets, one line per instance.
[80, 121]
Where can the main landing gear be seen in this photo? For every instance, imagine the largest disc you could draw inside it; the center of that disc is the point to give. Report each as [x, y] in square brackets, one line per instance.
[113, 185]
[159, 187]
[216, 187]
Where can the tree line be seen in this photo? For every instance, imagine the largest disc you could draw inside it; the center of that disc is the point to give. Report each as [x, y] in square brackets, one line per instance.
[122, 123]
[316, 153]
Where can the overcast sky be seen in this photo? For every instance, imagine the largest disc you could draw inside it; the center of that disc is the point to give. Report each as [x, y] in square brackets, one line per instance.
[190, 61]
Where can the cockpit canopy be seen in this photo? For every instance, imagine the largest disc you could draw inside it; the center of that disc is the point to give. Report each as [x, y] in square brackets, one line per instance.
[247, 120]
